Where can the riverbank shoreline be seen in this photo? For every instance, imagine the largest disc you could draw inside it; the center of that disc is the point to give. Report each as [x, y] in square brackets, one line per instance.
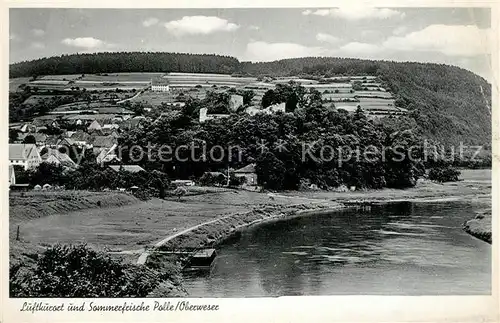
[480, 226]
[216, 232]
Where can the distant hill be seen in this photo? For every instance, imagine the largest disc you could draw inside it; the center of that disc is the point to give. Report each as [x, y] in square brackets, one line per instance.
[449, 103]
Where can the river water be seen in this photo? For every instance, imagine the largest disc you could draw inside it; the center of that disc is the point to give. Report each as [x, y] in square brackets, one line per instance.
[395, 249]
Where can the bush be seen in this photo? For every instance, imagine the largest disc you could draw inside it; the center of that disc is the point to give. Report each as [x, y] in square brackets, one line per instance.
[235, 181]
[209, 179]
[444, 174]
[79, 271]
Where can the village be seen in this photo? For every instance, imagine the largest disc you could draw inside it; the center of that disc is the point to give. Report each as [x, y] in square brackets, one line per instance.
[97, 123]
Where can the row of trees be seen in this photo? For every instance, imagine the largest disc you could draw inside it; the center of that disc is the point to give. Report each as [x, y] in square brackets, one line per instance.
[90, 176]
[124, 62]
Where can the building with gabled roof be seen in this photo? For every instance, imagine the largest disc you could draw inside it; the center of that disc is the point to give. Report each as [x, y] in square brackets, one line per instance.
[248, 172]
[127, 168]
[25, 155]
[54, 156]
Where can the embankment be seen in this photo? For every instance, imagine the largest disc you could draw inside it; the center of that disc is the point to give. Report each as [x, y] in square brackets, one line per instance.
[214, 232]
[25, 206]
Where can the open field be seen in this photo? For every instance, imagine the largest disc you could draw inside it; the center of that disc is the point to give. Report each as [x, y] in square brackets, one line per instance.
[376, 103]
[121, 77]
[35, 99]
[15, 83]
[66, 77]
[132, 226]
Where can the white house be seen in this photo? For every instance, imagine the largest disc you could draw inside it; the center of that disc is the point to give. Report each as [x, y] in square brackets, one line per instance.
[12, 175]
[204, 116]
[25, 155]
[275, 108]
[235, 101]
[160, 86]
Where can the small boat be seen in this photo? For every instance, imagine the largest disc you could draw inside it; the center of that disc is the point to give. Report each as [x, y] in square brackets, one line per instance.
[202, 259]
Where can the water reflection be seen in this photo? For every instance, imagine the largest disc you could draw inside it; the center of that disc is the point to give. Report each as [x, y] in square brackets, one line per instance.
[401, 248]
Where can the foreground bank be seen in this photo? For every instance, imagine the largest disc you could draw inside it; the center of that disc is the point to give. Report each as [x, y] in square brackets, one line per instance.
[133, 229]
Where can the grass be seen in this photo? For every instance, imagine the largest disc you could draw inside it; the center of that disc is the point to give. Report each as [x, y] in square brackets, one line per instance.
[135, 225]
[121, 77]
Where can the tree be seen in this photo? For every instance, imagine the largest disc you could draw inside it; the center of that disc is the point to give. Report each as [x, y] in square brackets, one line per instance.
[270, 171]
[13, 135]
[444, 174]
[79, 271]
[29, 139]
[180, 192]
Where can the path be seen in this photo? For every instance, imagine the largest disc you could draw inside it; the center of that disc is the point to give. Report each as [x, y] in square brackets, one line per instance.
[144, 256]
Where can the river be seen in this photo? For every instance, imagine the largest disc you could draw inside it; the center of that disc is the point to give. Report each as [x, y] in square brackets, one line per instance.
[404, 248]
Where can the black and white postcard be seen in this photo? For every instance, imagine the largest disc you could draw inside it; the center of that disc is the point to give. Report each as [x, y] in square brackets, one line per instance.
[263, 161]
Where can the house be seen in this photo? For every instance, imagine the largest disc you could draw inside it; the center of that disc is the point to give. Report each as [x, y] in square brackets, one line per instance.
[110, 126]
[40, 138]
[204, 117]
[183, 182]
[127, 168]
[80, 138]
[94, 125]
[26, 155]
[248, 172]
[160, 85]
[12, 175]
[28, 127]
[53, 141]
[131, 124]
[235, 102]
[54, 156]
[275, 108]
[103, 141]
[107, 155]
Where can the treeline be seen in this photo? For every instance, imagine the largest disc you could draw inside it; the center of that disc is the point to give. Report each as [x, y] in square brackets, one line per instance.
[90, 176]
[124, 62]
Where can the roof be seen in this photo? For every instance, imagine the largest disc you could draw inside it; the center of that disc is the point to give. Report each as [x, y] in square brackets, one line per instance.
[117, 110]
[39, 137]
[52, 140]
[250, 168]
[91, 117]
[103, 141]
[63, 158]
[216, 173]
[80, 136]
[20, 151]
[127, 168]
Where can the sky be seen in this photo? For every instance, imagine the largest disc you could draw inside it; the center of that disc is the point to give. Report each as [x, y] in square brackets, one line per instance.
[454, 36]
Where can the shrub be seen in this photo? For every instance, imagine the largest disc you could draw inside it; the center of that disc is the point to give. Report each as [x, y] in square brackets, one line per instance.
[180, 192]
[444, 174]
[235, 181]
[79, 271]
